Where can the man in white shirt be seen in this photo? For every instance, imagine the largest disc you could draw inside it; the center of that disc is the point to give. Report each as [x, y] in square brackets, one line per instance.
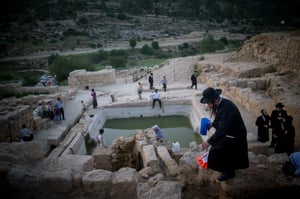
[156, 98]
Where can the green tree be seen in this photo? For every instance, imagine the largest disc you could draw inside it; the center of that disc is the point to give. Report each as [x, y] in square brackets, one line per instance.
[132, 43]
[118, 61]
[209, 45]
[100, 56]
[62, 66]
[155, 45]
[146, 50]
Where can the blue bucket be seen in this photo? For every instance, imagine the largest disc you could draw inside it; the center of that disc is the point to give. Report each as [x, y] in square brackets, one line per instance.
[204, 126]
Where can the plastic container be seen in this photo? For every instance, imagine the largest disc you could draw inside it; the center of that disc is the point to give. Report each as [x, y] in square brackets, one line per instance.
[175, 146]
[204, 126]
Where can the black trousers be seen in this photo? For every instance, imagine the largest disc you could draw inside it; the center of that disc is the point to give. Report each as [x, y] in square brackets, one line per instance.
[194, 84]
[164, 87]
[154, 101]
[62, 113]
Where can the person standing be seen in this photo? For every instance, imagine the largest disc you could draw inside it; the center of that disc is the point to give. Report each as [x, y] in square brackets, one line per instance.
[25, 134]
[101, 139]
[94, 96]
[228, 147]
[150, 80]
[57, 115]
[263, 124]
[194, 80]
[84, 108]
[60, 106]
[277, 117]
[164, 83]
[158, 132]
[286, 140]
[156, 98]
[50, 110]
[140, 90]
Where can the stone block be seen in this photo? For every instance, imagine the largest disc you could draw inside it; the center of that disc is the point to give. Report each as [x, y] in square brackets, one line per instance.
[102, 158]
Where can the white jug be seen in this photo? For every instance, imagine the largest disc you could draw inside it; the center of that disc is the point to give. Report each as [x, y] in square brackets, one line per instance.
[175, 146]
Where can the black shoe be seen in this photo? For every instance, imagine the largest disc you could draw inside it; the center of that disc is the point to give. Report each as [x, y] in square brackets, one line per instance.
[226, 176]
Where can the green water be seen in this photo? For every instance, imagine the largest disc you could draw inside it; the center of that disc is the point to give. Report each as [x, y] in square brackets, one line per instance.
[174, 128]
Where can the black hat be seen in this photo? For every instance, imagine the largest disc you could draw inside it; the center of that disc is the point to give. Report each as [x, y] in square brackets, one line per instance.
[210, 94]
[279, 105]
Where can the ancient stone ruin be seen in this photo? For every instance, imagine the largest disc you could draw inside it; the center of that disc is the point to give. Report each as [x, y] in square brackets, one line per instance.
[138, 166]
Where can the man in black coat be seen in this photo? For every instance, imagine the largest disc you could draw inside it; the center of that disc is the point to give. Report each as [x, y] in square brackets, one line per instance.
[194, 80]
[277, 117]
[263, 124]
[229, 147]
[150, 80]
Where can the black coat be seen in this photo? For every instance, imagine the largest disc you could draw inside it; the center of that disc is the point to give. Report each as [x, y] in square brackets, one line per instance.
[262, 129]
[275, 122]
[229, 149]
[286, 141]
[150, 79]
[194, 78]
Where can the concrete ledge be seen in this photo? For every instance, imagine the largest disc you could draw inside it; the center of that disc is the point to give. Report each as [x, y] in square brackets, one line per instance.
[56, 136]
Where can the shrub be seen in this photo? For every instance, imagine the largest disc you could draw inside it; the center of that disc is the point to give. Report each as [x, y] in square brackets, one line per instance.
[132, 43]
[146, 50]
[155, 45]
[224, 40]
[209, 45]
[100, 56]
[62, 66]
[118, 61]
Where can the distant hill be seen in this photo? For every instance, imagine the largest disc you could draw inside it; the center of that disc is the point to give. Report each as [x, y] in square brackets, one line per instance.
[39, 25]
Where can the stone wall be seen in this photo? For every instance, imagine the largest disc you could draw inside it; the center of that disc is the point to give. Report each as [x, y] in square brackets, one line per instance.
[14, 112]
[159, 177]
[264, 72]
[86, 80]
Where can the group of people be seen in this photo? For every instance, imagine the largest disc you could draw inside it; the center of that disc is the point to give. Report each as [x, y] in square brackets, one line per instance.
[155, 96]
[55, 113]
[283, 131]
[228, 147]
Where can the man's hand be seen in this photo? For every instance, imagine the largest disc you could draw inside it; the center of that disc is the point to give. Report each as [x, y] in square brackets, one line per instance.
[205, 145]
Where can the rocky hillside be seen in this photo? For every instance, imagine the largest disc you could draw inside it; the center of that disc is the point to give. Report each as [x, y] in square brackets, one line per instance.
[264, 72]
[282, 52]
[31, 26]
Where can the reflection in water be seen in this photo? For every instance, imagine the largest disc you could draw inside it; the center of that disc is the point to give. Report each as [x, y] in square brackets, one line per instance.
[174, 128]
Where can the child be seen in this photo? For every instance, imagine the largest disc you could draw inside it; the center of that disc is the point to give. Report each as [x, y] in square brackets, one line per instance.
[101, 139]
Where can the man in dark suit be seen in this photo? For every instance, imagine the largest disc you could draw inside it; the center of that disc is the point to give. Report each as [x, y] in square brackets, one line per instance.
[150, 80]
[229, 146]
[263, 124]
[277, 117]
[194, 80]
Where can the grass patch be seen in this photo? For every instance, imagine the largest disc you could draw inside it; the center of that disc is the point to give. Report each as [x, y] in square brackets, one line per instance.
[150, 62]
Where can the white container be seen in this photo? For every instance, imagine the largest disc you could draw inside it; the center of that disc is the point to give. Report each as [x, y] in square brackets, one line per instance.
[175, 146]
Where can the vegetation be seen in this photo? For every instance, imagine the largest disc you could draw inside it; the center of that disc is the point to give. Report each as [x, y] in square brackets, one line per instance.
[266, 12]
[63, 65]
[132, 43]
[152, 55]
[209, 44]
[7, 93]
